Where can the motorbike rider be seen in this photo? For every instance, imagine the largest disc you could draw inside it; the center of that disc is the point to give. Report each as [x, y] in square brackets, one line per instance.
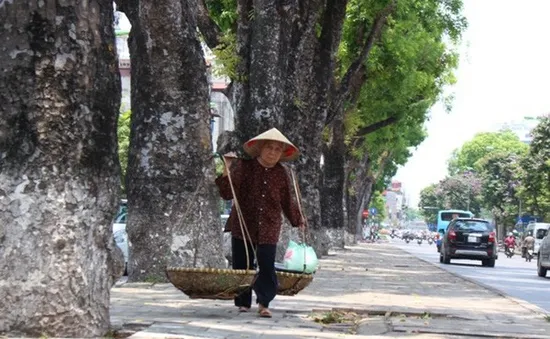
[528, 244]
[509, 242]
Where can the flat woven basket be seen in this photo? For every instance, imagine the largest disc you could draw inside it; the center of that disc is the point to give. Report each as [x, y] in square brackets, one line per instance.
[292, 283]
[225, 284]
[210, 283]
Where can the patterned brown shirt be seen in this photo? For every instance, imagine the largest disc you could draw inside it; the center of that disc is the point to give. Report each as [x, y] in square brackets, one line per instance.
[262, 193]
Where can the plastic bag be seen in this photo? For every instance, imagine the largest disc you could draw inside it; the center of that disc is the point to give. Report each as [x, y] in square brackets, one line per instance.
[297, 255]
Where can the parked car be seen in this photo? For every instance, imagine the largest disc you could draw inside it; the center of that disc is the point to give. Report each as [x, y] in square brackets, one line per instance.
[543, 257]
[119, 232]
[469, 238]
[121, 236]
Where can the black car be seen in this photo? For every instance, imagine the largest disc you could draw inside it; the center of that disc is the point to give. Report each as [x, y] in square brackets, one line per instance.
[469, 238]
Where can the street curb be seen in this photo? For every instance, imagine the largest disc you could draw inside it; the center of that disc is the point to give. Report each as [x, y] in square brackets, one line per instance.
[531, 307]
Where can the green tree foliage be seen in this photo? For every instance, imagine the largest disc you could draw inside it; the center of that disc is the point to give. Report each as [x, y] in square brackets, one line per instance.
[407, 72]
[535, 172]
[123, 133]
[513, 177]
[379, 203]
[412, 214]
[224, 13]
[461, 191]
[473, 182]
[430, 202]
[500, 178]
[483, 144]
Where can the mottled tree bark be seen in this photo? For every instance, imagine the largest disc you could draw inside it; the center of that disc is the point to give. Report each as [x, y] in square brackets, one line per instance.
[173, 217]
[361, 181]
[358, 186]
[59, 172]
[339, 165]
[285, 74]
[332, 201]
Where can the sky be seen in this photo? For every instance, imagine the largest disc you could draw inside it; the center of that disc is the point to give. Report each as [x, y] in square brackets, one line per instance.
[503, 76]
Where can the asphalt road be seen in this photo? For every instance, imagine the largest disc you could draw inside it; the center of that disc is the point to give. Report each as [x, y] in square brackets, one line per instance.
[512, 276]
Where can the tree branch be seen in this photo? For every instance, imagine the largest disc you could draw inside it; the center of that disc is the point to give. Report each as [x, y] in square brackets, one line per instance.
[373, 36]
[336, 107]
[349, 88]
[332, 23]
[210, 31]
[362, 132]
[382, 162]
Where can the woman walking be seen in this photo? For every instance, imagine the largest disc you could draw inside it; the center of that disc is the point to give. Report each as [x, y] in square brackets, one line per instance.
[263, 191]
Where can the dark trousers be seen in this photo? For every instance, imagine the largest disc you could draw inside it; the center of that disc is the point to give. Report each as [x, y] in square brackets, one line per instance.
[265, 284]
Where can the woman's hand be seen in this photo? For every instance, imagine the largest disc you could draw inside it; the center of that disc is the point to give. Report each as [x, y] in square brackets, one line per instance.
[302, 224]
[227, 159]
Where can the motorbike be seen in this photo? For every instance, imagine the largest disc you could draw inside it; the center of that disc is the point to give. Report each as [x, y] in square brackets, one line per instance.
[509, 251]
[529, 255]
[430, 240]
[419, 241]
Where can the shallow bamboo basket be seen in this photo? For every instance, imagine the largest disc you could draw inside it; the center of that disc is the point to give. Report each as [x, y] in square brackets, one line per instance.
[292, 283]
[225, 284]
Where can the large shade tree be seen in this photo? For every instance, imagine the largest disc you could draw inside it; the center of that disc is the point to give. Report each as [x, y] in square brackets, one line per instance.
[535, 172]
[402, 78]
[461, 191]
[430, 202]
[60, 92]
[467, 157]
[500, 177]
[173, 215]
[381, 152]
[483, 173]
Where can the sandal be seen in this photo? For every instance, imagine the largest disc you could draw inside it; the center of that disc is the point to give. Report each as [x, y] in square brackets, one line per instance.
[243, 309]
[265, 313]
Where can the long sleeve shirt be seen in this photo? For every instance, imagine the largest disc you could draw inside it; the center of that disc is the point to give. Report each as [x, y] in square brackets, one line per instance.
[263, 194]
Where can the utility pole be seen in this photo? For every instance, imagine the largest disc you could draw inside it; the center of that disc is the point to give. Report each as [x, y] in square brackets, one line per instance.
[468, 175]
[468, 205]
[519, 216]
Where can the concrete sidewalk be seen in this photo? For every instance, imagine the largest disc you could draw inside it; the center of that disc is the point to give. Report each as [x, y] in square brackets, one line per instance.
[365, 291]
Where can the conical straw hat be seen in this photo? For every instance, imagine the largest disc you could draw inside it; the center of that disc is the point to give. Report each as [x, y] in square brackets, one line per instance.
[253, 146]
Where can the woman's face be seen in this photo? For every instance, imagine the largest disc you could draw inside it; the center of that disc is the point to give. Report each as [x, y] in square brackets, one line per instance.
[271, 153]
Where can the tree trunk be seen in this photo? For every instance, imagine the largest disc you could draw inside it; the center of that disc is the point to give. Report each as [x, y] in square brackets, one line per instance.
[332, 197]
[173, 217]
[359, 185]
[59, 173]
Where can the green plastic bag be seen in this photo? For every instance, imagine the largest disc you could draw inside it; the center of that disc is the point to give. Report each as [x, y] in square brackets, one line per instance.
[298, 255]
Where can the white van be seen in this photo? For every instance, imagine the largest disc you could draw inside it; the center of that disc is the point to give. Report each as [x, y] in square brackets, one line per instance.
[539, 231]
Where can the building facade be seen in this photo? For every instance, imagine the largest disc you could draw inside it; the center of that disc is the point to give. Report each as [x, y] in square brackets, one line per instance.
[395, 201]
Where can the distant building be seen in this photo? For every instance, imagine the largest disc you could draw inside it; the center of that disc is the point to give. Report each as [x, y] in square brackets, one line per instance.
[394, 198]
[124, 67]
